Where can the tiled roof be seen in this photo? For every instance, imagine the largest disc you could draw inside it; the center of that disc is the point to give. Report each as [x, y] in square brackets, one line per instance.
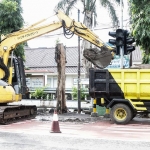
[38, 59]
[37, 70]
[42, 59]
[54, 70]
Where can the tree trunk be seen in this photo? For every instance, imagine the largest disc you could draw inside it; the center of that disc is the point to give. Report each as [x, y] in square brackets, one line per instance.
[60, 58]
[85, 44]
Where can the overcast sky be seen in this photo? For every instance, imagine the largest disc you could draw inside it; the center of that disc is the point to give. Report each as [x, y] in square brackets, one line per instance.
[36, 10]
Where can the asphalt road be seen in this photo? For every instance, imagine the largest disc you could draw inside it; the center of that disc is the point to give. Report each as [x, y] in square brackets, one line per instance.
[15, 141]
[101, 134]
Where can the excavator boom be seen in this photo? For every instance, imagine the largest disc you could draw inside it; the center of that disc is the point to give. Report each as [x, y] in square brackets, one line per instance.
[10, 41]
[12, 69]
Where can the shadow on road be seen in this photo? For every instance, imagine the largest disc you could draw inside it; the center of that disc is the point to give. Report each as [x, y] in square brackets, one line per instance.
[144, 121]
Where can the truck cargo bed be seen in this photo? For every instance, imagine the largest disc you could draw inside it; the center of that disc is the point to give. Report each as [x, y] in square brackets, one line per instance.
[120, 83]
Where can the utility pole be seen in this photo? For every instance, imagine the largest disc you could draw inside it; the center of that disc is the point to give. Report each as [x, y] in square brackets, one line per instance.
[121, 26]
[79, 95]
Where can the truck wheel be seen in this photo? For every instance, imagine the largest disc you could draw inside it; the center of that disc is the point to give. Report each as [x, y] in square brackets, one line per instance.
[121, 114]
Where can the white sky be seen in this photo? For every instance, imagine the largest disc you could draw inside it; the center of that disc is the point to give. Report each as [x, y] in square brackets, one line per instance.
[36, 10]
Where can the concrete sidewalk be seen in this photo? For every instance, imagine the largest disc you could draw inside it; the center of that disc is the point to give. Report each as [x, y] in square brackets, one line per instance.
[71, 104]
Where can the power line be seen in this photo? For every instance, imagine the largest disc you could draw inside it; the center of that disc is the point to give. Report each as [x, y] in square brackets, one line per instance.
[63, 33]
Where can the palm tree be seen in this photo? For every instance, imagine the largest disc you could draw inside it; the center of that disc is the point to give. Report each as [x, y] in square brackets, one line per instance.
[89, 7]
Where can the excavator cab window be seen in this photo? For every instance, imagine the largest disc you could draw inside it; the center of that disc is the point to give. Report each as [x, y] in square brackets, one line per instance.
[16, 77]
[18, 74]
[12, 63]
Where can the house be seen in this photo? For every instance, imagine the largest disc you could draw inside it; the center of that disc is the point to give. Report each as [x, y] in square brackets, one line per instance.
[41, 68]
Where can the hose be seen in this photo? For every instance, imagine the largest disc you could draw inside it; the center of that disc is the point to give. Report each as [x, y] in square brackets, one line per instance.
[5, 69]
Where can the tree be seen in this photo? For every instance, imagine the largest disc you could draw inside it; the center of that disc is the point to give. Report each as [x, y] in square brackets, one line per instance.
[89, 7]
[140, 26]
[60, 58]
[12, 20]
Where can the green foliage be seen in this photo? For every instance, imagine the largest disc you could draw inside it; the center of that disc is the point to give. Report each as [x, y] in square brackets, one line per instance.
[39, 93]
[139, 11]
[12, 20]
[111, 9]
[19, 51]
[146, 59]
[8, 5]
[82, 93]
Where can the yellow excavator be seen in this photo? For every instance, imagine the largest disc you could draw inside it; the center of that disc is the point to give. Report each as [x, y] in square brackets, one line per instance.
[12, 74]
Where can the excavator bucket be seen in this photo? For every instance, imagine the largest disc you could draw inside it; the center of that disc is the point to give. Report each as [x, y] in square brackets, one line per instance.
[100, 58]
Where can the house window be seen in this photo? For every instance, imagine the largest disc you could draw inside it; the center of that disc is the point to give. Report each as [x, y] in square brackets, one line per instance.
[49, 82]
[75, 81]
[37, 82]
[55, 82]
[28, 82]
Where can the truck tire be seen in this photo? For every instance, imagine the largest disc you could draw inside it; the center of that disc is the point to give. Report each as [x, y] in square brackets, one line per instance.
[121, 114]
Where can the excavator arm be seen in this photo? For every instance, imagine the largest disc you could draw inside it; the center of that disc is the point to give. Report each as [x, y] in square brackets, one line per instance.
[12, 69]
[100, 58]
[10, 41]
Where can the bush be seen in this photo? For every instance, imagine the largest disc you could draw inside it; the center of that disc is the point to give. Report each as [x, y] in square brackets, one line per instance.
[82, 93]
[39, 93]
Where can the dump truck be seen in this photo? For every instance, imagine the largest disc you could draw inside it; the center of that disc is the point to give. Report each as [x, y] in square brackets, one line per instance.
[125, 92]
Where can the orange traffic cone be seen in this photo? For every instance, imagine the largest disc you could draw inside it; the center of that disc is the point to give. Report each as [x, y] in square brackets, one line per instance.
[55, 123]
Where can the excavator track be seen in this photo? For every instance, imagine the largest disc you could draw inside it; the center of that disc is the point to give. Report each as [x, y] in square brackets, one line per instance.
[15, 113]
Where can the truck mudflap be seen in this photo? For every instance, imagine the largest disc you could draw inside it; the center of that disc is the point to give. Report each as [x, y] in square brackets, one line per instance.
[15, 113]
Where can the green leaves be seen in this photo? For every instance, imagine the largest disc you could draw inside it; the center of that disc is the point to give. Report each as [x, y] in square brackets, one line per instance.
[111, 9]
[140, 14]
[8, 5]
[146, 59]
[19, 51]
[82, 93]
[39, 93]
[11, 20]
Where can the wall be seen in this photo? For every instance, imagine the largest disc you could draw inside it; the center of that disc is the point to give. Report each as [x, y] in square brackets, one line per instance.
[35, 81]
[39, 80]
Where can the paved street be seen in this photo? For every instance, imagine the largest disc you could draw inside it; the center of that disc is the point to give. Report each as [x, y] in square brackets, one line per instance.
[101, 134]
[137, 130]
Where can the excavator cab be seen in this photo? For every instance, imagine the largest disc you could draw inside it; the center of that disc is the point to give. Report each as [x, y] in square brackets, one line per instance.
[17, 75]
[13, 92]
